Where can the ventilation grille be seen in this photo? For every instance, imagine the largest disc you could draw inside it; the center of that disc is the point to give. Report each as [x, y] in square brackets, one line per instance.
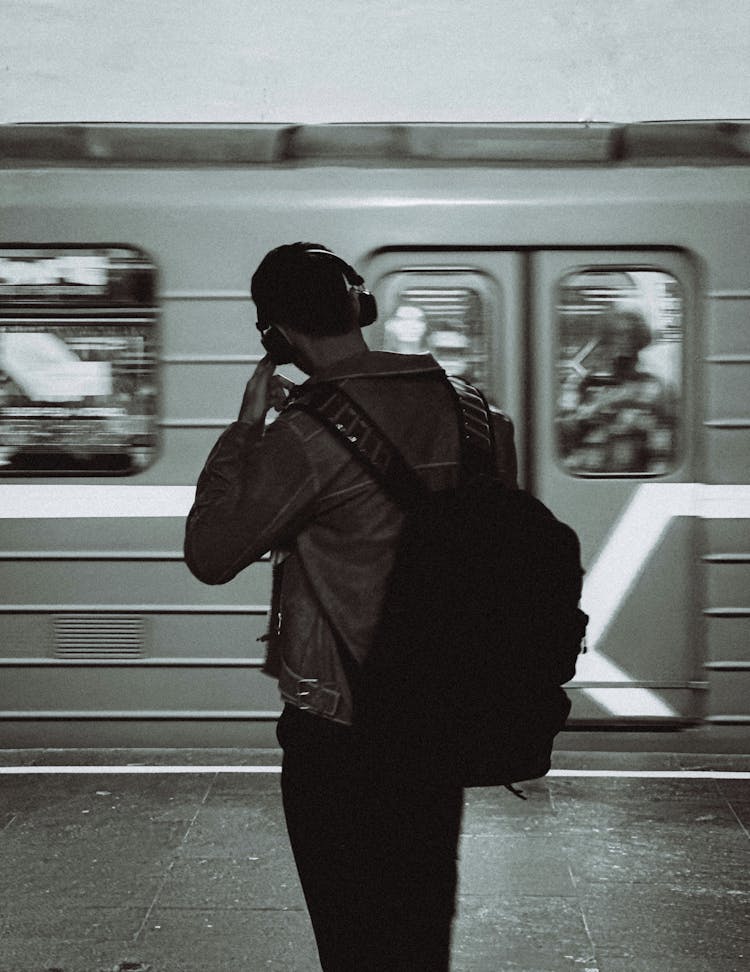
[98, 636]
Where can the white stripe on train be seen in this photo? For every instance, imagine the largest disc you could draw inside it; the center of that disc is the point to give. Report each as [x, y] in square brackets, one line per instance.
[77, 501]
[621, 560]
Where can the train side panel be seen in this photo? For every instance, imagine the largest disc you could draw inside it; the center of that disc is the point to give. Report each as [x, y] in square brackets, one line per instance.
[108, 640]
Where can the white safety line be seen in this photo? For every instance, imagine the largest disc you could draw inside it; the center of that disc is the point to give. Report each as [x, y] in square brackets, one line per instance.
[130, 770]
[136, 770]
[656, 774]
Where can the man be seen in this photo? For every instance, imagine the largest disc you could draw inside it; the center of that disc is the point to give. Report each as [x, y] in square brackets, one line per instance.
[375, 849]
[618, 417]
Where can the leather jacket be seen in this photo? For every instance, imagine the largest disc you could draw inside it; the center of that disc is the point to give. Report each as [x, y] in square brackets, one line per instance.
[291, 486]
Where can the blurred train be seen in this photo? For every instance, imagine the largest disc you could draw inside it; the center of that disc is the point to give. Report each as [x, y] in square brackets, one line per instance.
[594, 279]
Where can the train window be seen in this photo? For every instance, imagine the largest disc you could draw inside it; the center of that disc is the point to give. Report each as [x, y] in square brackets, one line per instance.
[447, 321]
[78, 380]
[619, 372]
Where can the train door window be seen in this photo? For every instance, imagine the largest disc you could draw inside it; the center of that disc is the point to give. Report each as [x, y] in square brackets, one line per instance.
[619, 372]
[447, 314]
[78, 379]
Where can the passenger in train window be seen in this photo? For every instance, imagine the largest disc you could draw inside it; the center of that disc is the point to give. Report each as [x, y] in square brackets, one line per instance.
[406, 331]
[375, 848]
[617, 417]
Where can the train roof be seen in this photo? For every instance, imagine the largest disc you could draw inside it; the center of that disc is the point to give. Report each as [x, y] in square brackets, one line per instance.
[713, 142]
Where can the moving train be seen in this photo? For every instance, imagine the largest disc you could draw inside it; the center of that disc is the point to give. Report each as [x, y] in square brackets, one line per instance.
[593, 279]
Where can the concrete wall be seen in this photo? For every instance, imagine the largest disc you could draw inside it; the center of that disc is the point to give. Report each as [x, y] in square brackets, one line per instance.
[373, 60]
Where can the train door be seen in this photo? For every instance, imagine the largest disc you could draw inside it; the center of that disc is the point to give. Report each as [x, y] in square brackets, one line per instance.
[463, 307]
[589, 353]
[612, 343]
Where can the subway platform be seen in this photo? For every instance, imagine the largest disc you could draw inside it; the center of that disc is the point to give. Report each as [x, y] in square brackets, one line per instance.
[178, 861]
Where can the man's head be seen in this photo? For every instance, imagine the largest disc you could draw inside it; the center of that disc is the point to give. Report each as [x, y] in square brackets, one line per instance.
[306, 287]
[628, 327]
[624, 334]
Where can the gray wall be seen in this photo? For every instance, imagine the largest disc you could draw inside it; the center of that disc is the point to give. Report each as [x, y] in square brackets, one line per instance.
[373, 60]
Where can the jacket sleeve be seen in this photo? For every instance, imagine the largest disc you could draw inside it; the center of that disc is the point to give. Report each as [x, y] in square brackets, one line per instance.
[255, 487]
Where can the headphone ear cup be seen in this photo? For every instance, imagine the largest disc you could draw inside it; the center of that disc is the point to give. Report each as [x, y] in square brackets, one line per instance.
[368, 308]
[280, 350]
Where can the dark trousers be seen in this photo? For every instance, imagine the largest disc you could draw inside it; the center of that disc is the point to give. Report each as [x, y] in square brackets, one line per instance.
[375, 849]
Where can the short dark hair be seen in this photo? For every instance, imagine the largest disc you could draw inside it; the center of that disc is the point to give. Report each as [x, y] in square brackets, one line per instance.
[306, 291]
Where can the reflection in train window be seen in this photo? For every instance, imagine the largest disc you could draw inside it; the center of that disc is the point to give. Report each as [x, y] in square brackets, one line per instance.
[619, 372]
[448, 322]
[78, 381]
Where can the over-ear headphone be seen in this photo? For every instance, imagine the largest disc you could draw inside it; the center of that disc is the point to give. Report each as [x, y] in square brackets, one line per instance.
[368, 308]
[276, 344]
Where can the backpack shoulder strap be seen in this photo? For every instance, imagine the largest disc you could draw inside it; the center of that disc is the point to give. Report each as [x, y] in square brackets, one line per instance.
[354, 428]
[475, 422]
[351, 424]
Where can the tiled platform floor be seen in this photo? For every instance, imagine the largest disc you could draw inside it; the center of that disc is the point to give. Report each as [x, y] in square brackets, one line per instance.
[191, 872]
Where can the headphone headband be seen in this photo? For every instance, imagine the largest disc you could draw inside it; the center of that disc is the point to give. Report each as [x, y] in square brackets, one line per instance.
[352, 277]
[368, 308]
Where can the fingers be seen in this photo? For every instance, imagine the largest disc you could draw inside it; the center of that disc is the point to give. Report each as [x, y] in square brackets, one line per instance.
[263, 370]
[262, 375]
[264, 390]
[255, 400]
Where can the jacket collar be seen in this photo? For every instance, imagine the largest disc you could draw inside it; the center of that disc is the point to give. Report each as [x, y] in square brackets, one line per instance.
[380, 364]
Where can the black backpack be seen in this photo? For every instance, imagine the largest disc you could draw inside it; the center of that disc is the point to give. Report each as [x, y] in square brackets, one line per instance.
[481, 625]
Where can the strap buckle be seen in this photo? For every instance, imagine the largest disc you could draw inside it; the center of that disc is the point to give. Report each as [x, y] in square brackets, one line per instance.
[311, 689]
